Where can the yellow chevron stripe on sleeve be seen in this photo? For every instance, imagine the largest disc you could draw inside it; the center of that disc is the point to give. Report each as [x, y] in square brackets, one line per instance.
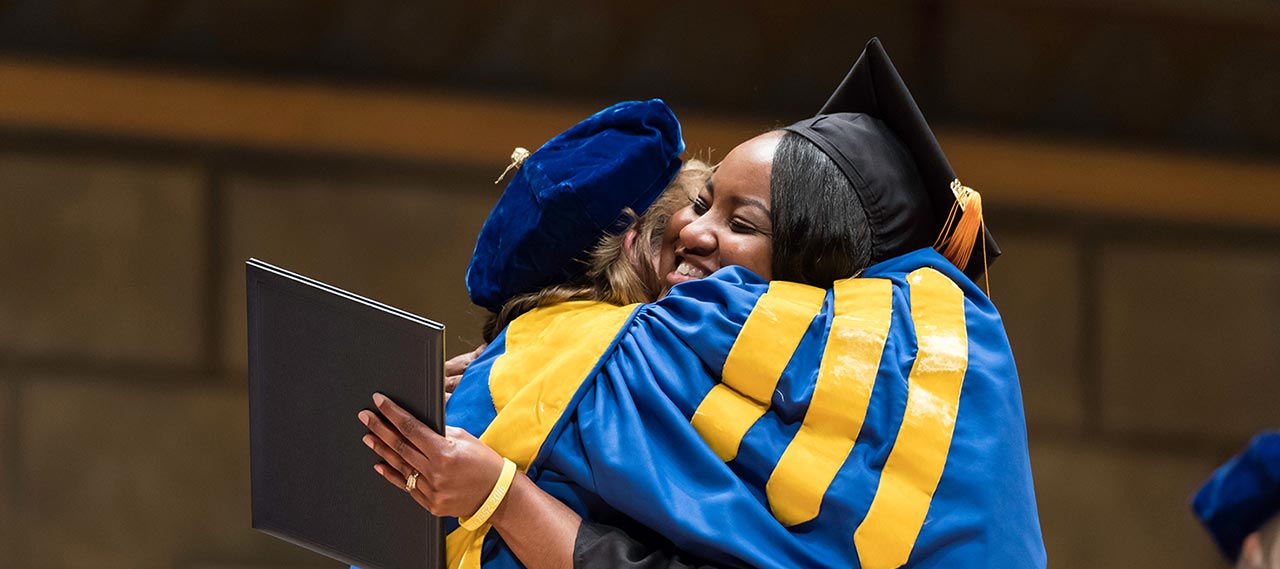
[549, 353]
[769, 337]
[914, 467]
[850, 361]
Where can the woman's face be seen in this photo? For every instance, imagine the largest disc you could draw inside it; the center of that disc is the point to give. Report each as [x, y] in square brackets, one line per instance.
[728, 223]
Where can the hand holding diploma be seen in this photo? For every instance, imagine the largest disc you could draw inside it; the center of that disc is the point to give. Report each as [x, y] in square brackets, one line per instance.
[456, 366]
[449, 475]
[458, 475]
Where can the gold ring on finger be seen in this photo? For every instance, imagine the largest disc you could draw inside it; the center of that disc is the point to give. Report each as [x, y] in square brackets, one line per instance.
[411, 482]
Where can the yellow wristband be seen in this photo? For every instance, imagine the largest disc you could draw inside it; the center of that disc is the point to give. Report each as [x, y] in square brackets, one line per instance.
[491, 503]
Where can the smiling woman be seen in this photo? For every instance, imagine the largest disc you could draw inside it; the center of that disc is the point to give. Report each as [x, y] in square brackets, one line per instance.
[776, 205]
[729, 222]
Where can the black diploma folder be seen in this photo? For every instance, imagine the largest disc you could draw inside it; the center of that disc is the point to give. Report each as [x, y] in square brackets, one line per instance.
[316, 355]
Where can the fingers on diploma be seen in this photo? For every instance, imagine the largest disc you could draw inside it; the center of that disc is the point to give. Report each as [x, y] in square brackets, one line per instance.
[393, 441]
[398, 480]
[396, 461]
[419, 434]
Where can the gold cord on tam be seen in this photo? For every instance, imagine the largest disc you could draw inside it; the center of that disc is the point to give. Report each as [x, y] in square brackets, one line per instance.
[517, 159]
[956, 242]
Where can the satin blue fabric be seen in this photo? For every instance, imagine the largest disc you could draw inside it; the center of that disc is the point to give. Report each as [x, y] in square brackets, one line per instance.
[626, 454]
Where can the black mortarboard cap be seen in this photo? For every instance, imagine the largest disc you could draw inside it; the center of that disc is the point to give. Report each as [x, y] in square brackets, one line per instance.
[874, 131]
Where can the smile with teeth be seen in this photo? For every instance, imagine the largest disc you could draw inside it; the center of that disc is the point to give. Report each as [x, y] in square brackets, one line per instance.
[690, 271]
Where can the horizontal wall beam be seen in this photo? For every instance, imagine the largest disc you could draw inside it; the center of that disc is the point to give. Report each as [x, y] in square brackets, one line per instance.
[480, 131]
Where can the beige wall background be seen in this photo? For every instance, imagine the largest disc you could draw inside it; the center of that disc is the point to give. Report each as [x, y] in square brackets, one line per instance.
[1140, 284]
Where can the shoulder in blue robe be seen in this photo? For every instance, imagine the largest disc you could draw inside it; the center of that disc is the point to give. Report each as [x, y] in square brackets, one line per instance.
[875, 424]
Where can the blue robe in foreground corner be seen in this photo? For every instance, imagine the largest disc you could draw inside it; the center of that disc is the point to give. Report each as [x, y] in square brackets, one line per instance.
[875, 424]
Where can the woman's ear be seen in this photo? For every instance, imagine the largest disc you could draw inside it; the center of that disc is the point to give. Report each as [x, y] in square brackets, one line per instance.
[1251, 552]
[629, 244]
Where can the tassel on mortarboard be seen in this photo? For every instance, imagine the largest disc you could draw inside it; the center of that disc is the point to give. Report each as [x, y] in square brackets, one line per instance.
[959, 235]
[517, 159]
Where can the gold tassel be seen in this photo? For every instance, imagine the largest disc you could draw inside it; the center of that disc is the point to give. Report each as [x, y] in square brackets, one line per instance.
[956, 242]
[517, 159]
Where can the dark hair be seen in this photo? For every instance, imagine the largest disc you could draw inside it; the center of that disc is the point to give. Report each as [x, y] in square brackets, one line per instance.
[820, 231]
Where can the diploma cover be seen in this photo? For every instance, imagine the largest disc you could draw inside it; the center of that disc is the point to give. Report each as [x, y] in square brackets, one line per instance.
[316, 356]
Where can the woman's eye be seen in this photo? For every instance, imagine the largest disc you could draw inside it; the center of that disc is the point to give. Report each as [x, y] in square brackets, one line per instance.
[741, 227]
[699, 206]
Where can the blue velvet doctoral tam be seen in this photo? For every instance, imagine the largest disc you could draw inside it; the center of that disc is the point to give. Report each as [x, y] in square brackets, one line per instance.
[570, 193]
[1242, 495]
[875, 424]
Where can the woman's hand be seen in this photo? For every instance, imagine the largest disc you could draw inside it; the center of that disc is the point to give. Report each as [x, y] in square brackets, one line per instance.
[456, 474]
[456, 471]
[456, 366]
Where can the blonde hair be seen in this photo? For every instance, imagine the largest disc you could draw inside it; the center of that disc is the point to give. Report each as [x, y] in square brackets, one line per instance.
[614, 274]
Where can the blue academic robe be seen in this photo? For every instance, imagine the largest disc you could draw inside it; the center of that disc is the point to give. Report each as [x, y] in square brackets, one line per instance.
[875, 424]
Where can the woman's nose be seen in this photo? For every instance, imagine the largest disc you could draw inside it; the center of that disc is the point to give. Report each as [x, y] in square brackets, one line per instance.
[698, 237]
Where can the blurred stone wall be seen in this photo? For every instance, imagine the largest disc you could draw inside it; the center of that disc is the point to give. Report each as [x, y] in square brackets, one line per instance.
[1146, 348]
[123, 414]
[1146, 352]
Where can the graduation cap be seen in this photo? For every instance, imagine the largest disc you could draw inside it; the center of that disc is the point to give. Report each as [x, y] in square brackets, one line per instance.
[1242, 495]
[568, 194]
[875, 133]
